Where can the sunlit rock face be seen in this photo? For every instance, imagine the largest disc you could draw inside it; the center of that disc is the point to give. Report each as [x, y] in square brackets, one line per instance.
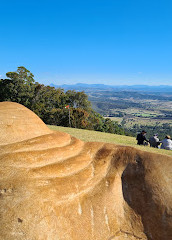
[56, 187]
[18, 123]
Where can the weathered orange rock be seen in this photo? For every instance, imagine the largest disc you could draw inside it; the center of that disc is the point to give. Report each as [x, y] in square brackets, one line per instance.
[56, 187]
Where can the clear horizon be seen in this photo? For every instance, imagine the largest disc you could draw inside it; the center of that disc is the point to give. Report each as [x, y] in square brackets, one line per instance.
[100, 42]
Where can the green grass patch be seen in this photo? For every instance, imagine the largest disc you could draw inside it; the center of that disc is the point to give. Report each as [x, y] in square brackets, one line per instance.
[145, 115]
[93, 136]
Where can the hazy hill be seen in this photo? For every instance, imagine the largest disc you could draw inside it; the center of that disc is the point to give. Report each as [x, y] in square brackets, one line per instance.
[144, 88]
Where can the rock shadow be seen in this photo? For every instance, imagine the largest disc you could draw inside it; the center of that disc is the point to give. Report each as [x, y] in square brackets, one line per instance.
[139, 196]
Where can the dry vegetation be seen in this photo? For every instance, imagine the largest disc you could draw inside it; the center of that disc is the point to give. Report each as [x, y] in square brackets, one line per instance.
[93, 136]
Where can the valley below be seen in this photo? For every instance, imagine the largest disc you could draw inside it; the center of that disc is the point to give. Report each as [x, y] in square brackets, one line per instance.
[133, 107]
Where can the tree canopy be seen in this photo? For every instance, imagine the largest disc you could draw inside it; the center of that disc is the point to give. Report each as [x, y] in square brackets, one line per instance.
[49, 103]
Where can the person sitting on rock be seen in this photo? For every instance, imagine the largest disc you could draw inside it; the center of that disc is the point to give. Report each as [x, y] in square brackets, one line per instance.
[141, 138]
[166, 143]
[154, 141]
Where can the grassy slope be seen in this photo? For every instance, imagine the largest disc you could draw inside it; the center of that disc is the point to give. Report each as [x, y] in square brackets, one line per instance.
[93, 136]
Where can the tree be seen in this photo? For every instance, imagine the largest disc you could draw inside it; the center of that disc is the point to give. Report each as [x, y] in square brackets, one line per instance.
[78, 100]
[49, 103]
[46, 99]
[19, 87]
[6, 90]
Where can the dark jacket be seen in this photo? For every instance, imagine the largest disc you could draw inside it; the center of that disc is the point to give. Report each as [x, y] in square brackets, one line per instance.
[140, 139]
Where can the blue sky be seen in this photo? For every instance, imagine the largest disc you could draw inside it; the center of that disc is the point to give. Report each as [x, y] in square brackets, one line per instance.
[113, 42]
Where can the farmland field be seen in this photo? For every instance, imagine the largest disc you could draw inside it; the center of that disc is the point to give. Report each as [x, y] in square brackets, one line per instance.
[136, 110]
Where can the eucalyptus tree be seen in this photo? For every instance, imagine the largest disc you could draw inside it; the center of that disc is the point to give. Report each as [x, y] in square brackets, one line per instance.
[19, 87]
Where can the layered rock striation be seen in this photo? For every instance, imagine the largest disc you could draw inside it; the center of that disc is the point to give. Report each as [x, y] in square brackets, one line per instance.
[56, 187]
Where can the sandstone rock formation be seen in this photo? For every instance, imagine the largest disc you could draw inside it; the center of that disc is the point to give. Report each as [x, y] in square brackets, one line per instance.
[56, 187]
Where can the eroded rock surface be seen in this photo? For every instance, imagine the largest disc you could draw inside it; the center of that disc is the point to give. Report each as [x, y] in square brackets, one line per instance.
[56, 187]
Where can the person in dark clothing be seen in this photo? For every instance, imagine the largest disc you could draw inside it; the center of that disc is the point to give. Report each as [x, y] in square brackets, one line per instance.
[141, 138]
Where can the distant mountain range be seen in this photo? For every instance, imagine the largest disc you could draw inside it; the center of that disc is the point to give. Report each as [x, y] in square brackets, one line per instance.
[143, 88]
